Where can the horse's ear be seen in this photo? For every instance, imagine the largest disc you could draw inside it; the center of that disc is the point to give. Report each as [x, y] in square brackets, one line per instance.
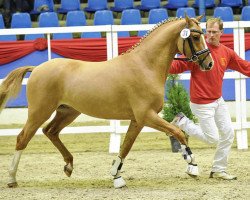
[200, 17]
[188, 20]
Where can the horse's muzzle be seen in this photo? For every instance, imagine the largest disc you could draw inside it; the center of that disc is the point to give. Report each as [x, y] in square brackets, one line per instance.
[207, 67]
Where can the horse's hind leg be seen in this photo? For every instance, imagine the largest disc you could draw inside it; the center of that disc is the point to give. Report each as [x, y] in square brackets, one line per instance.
[133, 131]
[35, 120]
[64, 116]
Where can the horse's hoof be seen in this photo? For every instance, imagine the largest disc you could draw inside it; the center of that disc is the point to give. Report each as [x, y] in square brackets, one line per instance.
[192, 170]
[192, 176]
[68, 169]
[12, 185]
[119, 182]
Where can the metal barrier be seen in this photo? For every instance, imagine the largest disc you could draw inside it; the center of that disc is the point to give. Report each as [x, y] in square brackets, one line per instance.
[115, 129]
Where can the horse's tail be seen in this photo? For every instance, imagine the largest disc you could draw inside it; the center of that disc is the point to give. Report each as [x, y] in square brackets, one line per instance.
[11, 85]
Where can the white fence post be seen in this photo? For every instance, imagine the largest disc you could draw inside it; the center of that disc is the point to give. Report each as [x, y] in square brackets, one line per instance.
[115, 137]
[49, 46]
[241, 134]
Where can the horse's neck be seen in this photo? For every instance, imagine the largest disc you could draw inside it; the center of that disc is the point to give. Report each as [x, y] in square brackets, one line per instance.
[158, 49]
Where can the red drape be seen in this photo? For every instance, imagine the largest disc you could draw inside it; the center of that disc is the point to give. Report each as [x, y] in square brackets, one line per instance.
[81, 49]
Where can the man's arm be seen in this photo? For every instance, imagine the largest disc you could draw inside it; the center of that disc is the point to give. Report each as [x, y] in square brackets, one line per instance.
[238, 64]
[179, 66]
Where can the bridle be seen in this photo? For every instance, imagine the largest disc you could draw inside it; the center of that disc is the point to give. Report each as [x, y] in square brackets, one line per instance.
[195, 55]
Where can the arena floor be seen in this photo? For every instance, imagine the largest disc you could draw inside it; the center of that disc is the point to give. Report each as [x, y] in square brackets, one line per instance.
[151, 170]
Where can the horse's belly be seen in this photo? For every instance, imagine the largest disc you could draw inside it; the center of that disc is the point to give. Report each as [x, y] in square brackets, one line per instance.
[102, 109]
[107, 113]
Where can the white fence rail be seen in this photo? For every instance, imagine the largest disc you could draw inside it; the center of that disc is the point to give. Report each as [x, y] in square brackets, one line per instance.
[115, 129]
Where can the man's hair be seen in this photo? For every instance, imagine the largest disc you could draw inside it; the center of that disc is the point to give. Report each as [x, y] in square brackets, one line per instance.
[215, 20]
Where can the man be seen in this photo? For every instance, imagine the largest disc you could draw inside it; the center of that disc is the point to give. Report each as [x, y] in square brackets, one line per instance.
[206, 98]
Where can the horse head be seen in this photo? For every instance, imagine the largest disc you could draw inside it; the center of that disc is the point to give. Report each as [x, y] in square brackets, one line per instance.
[192, 44]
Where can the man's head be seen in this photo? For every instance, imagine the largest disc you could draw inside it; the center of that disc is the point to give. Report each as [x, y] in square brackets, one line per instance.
[214, 30]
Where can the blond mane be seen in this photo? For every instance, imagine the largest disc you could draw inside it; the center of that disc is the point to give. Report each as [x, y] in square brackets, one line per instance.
[150, 31]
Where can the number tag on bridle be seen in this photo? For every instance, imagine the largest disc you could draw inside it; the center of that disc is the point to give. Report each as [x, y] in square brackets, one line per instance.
[185, 33]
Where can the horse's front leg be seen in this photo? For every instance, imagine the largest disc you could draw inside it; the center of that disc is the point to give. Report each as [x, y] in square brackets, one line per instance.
[154, 121]
[133, 131]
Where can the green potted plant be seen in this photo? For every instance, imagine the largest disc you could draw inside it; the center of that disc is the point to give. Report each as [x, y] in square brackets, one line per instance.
[177, 101]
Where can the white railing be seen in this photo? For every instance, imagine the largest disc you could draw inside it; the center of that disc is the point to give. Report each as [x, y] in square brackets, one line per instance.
[241, 125]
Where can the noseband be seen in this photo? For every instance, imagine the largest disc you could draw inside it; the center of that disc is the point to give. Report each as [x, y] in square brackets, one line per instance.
[195, 55]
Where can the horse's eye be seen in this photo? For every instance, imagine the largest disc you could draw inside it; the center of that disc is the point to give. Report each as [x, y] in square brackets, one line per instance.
[196, 38]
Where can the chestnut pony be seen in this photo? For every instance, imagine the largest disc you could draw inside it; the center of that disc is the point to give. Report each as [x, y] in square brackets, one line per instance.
[128, 87]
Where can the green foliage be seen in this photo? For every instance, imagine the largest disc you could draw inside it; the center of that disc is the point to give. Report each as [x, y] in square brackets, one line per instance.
[177, 99]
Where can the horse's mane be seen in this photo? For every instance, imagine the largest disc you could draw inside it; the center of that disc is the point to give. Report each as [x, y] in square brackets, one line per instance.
[150, 31]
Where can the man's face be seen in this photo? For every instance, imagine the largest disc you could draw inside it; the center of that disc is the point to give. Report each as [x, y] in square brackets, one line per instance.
[213, 34]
